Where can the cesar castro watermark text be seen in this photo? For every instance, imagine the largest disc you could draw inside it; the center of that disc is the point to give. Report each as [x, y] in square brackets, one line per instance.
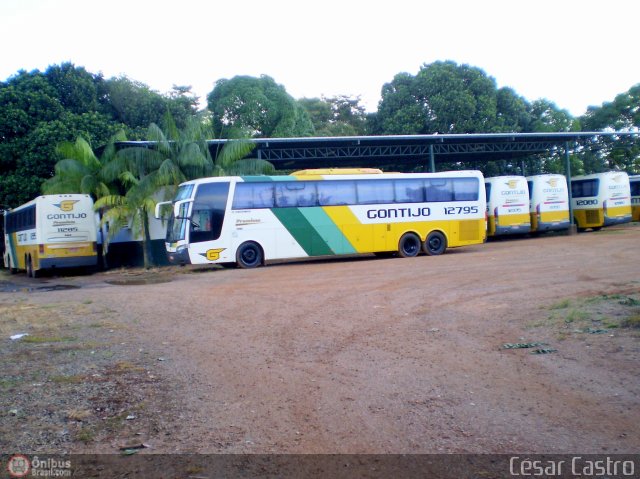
[578, 466]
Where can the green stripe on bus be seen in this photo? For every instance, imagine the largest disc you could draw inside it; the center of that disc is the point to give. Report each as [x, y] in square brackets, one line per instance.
[302, 231]
[332, 235]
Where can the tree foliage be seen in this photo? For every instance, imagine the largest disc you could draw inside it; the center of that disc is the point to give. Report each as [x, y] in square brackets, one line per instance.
[39, 110]
[336, 116]
[256, 107]
[447, 98]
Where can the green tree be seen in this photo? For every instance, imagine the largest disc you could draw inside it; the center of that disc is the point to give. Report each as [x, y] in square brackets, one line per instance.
[257, 107]
[80, 170]
[336, 116]
[547, 117]
[152, 172]
[622, 114]
[443, 98]
[40, 110]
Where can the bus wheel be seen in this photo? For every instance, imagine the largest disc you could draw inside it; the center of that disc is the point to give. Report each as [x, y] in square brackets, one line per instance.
[435, 244]
[409, 245]
[31, 273]
[12, 270]
[249, 255]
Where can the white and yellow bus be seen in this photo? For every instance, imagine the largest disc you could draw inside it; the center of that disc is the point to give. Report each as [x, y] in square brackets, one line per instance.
[601, 199]
[507, 205]
[253, 219]
[51, 231]
[548, 203]
[634, 183]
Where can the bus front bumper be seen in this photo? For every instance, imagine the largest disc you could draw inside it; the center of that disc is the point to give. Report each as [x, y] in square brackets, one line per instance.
[180, 256]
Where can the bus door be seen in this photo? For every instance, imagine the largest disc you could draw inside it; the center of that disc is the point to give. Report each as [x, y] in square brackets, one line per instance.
[208, 212]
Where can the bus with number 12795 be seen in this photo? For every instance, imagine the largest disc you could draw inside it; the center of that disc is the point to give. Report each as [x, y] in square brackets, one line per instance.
[248, 220]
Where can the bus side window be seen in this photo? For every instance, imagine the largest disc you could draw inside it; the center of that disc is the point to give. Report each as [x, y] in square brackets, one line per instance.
[296, 193]
[409, 191]
[253, 195]
[372, 192]
[208, 211]
[439, 190]
[337, 192]
[465, 189]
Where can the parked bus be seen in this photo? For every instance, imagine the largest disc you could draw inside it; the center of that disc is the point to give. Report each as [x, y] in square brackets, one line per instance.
[51, 231]
[634, 182]
[601, 199]
[507, 205]
[252, 219]
[548, 202]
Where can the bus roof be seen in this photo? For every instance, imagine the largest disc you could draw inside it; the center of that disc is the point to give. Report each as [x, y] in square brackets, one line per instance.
[373, 176]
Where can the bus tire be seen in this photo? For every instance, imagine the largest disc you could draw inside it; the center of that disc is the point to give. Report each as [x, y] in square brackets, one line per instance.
[409, 245]
[249, 255]
[31, 273]
[435, 244]
[12, 270]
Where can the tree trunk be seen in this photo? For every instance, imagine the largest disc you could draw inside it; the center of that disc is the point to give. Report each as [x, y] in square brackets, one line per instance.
[146, 241]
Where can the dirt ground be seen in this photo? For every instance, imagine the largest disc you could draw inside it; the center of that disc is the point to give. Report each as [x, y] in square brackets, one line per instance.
[350, 355]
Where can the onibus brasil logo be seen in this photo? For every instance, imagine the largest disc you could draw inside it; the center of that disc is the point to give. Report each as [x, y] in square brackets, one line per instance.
[20, 465]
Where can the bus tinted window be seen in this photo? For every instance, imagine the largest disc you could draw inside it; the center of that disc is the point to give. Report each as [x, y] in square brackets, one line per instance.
[465, 189]
[584, 188]
[296, 193]
[253, 195]
[635, 188]
[440, 189]
[372, 192]
[332, 193]
[184, 192]
[530, 185]
[208, 211]
[409, 191]
[24, 219]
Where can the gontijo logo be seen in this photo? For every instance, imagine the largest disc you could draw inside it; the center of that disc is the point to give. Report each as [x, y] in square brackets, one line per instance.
[213, 254]
[513, 184]
[552, 182]
[66, 205]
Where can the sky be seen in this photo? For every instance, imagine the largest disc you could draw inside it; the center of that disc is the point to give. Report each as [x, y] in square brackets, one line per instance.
[575, 53]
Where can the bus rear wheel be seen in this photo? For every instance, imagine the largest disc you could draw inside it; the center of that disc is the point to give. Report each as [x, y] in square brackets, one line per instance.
[435, 244]
[409, 245]
[249, 255]
[31, 273]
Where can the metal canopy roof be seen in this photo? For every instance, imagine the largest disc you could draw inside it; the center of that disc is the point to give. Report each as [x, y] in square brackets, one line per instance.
[409, 151]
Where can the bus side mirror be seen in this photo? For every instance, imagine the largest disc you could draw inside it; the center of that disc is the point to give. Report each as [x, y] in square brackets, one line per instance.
[158, 206]
[181, 210]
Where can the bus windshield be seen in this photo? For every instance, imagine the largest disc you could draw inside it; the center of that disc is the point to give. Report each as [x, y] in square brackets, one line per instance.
[177, 227]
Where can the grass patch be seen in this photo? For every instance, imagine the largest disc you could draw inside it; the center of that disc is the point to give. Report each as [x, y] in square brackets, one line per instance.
[47, 339]
[61, 379]
[596, 314]
[565, 303]
[86, 435]
[631, 322]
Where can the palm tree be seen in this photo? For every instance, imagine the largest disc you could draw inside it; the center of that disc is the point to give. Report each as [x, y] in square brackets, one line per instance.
[130, 209]
[79, 171]
[148, 173]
